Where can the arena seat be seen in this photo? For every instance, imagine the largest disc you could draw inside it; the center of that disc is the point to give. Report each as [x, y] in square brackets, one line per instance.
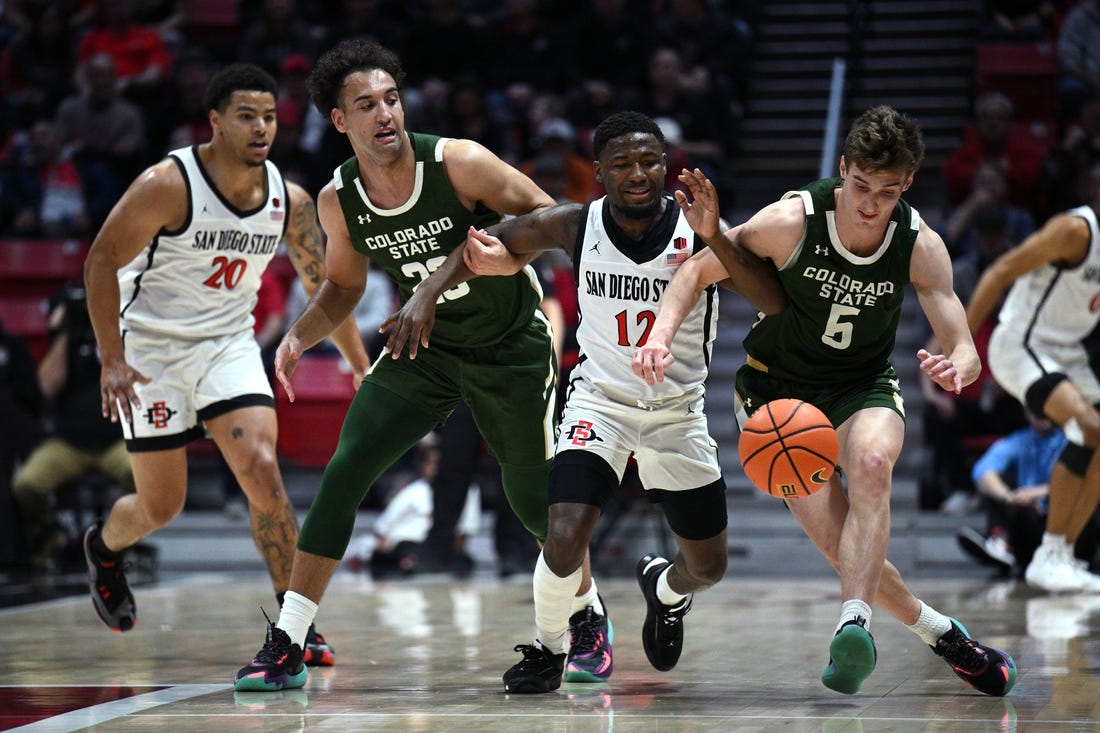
[39, 267]
[309, 427]
[1024, 71]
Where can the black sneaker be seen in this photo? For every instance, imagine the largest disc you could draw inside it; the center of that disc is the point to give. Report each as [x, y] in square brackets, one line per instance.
[111, 596]
[538, 671]
[590, 636]
[318, 652]
[277, 666]
[663, 629]
[987, 670]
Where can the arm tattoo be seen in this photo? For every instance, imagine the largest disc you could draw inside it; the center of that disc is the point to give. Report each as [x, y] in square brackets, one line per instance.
[304, 243]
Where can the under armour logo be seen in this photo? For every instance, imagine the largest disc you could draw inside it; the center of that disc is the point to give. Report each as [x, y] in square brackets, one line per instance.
[364, 218]
[595, 247]
[159, 414]
[583, 433]
[820, 250]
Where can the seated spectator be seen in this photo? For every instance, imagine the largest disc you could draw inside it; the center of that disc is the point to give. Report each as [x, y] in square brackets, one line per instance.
[665, 95]
[142, 65]
[186, 101]
[41, 190]
[531, 53]
[279, 32]
[1014, 20]
[988, 195]
[80, 440]
[1065, 169]
[106, 133]
[393, 546]
[715, 48]
[982, 408]
[1013, 477]
[469, 114]
[556, 138]
[20, 431]
[992, 136]
[36, 70]
[1078, 46]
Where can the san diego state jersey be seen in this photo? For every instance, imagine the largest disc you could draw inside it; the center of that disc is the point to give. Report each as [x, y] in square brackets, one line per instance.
[620, 283]
[1058, 305]
[202, 280]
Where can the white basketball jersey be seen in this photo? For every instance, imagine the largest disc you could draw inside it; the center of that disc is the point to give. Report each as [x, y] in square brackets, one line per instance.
[202, 280]
[1057, 305]
[620, 284]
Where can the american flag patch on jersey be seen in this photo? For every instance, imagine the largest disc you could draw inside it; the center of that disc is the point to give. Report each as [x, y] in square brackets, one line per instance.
[276, 214]
[675, 258]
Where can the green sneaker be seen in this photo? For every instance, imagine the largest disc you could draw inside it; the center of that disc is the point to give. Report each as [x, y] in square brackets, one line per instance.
[852, 658]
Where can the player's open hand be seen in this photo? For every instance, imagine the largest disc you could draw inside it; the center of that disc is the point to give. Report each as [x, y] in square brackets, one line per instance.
[702, 212]
[485, 255]
[651, 360]
[116, 388]
[286, 361]
[940, 370]
[412, 324]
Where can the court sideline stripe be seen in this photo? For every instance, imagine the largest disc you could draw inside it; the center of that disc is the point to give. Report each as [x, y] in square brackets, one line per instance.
[105, 712]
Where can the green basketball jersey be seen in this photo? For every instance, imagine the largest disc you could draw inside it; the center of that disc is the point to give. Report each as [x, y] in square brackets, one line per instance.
[413, 240]
[842, 309]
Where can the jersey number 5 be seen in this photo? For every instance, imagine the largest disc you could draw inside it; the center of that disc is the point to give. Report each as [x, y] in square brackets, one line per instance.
[421, 271]
[227, 273]
[838, 333]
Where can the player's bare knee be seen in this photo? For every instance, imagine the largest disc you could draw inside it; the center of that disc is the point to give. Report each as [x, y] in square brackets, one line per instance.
[161, 512]
[564, 548]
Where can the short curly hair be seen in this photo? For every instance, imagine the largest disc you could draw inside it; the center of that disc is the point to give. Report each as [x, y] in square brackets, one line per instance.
[326, 81]
[883, 139]
[237, 78]
[624, 123]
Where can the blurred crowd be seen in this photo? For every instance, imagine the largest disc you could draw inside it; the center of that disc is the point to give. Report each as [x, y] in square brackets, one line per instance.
[95, 90]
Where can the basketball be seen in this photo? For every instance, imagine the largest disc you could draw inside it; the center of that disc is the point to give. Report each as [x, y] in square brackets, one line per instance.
[788, 448]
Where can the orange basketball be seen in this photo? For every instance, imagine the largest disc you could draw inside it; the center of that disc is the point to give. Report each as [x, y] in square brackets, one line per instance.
[788, 448]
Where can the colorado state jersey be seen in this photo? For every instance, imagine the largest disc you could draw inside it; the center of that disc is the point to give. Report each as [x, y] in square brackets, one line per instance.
[412, 240]
[620, 284]
[202, 280]
[842, 309]
[1058, 305]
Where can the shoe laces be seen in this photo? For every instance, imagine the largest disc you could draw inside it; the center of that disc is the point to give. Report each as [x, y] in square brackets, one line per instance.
[275, 649]
[585, 633]
[963, 653]
[674, 616]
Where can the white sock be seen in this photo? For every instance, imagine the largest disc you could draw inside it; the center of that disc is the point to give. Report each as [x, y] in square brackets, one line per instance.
[930, 624]
[590, 598]
[1054, 541]
[553, 597]
[665, 594]
[854, 610]
[296, 616]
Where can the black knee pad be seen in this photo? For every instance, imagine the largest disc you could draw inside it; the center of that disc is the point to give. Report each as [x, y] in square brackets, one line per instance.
[696, 514]
[579, 477]
[1076, 458]
[1038, 393]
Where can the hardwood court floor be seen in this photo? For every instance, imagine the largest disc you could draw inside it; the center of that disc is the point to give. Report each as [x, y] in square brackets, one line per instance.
[427, 655]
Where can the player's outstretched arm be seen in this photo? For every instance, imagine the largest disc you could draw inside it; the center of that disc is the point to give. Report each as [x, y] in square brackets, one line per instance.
[683, 291]
[304, 244]
[930, 273]
[1064, 238]
[336, 295]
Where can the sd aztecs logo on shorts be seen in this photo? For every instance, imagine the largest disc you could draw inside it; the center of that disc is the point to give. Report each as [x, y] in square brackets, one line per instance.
[159, 414]
[582, 433]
